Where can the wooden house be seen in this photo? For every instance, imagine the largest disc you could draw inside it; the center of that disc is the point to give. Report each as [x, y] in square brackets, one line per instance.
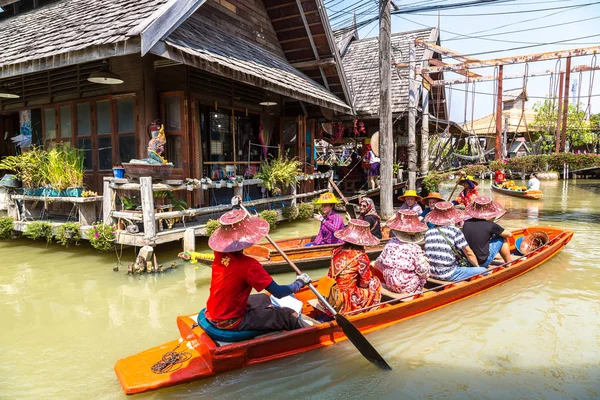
[226, 78]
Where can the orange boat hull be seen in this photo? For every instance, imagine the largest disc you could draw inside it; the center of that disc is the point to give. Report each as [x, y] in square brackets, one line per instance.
[209, 359]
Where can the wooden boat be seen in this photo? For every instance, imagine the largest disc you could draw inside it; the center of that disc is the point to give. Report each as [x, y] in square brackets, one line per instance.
[305, 257]
[528, 194]
[208, 358]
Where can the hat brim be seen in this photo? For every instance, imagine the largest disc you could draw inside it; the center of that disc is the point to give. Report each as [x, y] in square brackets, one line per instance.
[363, 240]
[403, 198]
[327, 202]
[229, 240]
[416, 238]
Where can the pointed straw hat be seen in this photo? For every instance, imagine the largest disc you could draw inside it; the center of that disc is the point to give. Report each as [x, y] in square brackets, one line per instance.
[405, 225]
[483, 207]
[357, 232]
[238, 231]
[443, 213]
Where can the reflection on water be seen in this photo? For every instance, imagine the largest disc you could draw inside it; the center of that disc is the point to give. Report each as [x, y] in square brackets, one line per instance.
[67, 317]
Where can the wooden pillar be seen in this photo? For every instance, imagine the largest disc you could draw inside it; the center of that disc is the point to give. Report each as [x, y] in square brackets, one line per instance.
[565, 113]
[412, 119]
[425, 133]
[107, 202]
[386, 138]
[498, 152]
[294, 192]
[189, 240]
[559, 114]
[147, 198]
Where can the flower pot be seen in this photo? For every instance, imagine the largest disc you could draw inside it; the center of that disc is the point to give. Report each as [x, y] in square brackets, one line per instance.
[217, 186]
[74, 192]
[230, 185]
[204, 186]
[119, 172]
[240, 184]
[51, 192]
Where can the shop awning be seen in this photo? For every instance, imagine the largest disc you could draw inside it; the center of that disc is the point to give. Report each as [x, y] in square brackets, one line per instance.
[199, 43]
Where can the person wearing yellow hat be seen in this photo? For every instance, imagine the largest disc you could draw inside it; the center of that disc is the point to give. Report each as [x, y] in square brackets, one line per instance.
[331, 221]
[469, 192]
[411, 199]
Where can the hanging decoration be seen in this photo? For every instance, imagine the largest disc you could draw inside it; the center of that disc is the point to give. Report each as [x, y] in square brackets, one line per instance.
[358, 127]
[338, 132]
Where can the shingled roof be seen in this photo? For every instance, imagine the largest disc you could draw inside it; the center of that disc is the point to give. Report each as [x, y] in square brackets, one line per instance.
[201, 44]
[48, 34]
[361, 64]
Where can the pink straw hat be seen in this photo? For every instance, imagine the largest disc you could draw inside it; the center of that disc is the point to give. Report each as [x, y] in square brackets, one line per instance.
[406, 221]
[238, 231]
[357, 232]
[444, 213]
[483, 207]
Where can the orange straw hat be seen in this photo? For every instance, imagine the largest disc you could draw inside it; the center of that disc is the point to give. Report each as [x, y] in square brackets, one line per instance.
[238, 231]
[483, 207]
[357, 232]
[405, 225]
[410, 193]
[443, 213]
[433, 196]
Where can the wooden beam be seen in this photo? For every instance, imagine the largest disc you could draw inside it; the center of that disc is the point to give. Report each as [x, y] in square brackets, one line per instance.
[311, 40]
[463, 72]
[164, 21]
[323, 62]
[444, 51]
[550, 55]
[7, 2]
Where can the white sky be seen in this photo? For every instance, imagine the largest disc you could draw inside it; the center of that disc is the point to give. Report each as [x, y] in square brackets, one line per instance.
[458, 21]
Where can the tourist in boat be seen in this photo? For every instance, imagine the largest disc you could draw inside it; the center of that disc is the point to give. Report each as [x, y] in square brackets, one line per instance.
[469, 191]
[446, 248]
[533, 183]
[429, 202]
[350, 266]
[230, 305]
[485, 237]
[411, 199]
[369, 213]
[499, 177]
[403, 264]
[330, 221]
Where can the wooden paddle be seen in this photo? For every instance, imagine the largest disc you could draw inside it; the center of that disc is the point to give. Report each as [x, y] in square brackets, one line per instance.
[349, 206]
[351, 332]
[453, 190]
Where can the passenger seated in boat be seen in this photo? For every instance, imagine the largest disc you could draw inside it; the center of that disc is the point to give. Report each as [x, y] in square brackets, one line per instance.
[369, 213]
[446, 247]
[533, 183]
[403, 264]
[330, 221]
[469, 191]
[355, 287]
[428, 202]
[230, 305]
[499, 177]
[411, 199]
[484, 236]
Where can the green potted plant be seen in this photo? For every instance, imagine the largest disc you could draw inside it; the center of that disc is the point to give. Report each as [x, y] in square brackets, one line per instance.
[69, 232]
[6, 227]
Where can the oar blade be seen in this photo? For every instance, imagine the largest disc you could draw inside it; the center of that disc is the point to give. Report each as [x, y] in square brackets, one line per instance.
[351, 210]
[361, 343]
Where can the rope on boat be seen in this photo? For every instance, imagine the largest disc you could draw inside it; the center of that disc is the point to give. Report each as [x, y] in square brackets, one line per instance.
[173, 360]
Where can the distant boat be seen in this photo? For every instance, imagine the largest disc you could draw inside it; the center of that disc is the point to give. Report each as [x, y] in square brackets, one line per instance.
[526, 194]
[198, 356]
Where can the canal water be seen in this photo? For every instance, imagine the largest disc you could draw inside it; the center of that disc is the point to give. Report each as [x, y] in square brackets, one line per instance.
[67, 317]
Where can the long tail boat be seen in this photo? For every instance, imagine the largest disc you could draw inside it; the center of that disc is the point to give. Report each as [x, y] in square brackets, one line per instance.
[311, 257]
[207, 358]
[527, 194]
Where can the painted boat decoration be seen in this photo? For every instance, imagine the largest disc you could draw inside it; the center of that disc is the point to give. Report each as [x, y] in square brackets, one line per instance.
[206, 358]
[528, 194]
[305, 257]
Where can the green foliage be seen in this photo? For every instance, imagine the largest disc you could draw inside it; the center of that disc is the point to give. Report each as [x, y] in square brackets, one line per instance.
[6, 227]
[278, 172]
[102, 236]
[290, 213]
[39, 229]
[130, 203]
[397, 167]
[177, 203]
[432, 181]
[306, 210]
[271, 217]
[69, 232]
[29, 167]
[211, 226]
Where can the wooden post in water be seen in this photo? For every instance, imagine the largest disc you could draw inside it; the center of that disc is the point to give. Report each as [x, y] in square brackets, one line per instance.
[565, 114]
[559, 113]
[107, 202]
[386, 138]
[425, 133]
[147, 198]
[498, 152]
[412, 119]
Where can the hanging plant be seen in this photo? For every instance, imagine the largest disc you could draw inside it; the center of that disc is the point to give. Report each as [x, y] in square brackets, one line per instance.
[39, 229]
[290, 213]
[271, 217]
[69, 232]
[278, 172]
[6, 227]
[306, 210]
[211, 226]
[102, 236]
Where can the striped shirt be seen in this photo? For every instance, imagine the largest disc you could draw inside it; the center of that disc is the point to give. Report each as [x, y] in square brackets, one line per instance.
[441, 257]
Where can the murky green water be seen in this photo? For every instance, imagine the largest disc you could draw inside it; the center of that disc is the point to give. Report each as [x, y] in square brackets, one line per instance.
[67, 317]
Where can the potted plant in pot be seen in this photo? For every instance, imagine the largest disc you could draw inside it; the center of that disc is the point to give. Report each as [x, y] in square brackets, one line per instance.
[278, 172]
[239, 180]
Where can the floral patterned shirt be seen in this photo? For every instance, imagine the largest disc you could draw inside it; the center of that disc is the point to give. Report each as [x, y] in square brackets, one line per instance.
[466, 197]
[404, 266]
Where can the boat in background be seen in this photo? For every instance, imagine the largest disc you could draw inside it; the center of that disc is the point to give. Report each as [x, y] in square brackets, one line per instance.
[526, 194]
[206, 358]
